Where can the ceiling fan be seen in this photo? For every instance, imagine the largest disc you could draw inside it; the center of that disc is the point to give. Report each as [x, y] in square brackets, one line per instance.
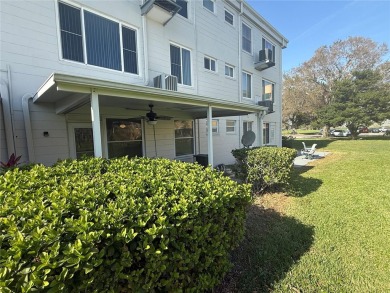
[152, 117]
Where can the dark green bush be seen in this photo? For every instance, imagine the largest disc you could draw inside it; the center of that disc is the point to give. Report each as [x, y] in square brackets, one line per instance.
[123, 225]
[288, 142]
[264, 167]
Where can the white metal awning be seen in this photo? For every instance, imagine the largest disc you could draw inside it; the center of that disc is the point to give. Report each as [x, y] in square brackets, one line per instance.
[70, 92]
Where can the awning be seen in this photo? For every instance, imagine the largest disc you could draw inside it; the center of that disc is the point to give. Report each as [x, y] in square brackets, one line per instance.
[70, 92]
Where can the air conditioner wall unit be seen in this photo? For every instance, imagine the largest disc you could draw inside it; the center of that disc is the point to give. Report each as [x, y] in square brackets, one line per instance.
[165, 82]
[269, 104]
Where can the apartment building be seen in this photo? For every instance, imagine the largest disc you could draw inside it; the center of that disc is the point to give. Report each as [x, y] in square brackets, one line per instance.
[137, 78]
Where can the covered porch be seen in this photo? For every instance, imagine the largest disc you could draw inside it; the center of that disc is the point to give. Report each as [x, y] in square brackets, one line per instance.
[69, 93]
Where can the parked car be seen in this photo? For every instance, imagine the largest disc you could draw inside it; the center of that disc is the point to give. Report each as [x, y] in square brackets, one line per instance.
[374, 130]
[383, 129]
[362, 129]
[341, 133]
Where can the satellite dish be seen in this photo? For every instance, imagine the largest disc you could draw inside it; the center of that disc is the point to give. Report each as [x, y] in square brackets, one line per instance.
[248, 138]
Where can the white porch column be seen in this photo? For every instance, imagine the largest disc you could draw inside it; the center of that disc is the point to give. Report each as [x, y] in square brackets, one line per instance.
[95, 116]
[210, 136]
[260, 127]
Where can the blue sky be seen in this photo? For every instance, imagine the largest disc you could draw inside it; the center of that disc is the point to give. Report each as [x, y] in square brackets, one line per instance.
[311, 24]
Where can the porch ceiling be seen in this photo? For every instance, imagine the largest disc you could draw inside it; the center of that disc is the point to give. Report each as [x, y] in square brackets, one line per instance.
[70, 92]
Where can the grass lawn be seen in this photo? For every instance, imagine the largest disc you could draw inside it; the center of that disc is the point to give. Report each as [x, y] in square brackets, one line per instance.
[329, 233]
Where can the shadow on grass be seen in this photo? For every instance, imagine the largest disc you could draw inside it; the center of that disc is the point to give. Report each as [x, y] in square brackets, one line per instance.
[301, 186]
[272, 244]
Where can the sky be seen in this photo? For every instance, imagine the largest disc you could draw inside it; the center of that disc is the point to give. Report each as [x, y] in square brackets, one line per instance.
[311, 24]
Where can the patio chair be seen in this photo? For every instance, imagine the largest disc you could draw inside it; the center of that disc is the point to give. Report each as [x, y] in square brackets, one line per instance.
[304, 147]
[309, 152]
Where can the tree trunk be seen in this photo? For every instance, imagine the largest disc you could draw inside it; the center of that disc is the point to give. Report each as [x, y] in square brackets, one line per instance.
[325, 131]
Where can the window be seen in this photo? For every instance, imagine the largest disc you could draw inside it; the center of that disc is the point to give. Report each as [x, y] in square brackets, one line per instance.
[247, 126]
[184, 10]
[184, 137]
[269, 133]
[230, 126]
[71, 33]
[102, 40]
[214, 126]
[246, 38]
[229, 70]
[181, 64]
[268, 91]
[209, 64]
[265, 133]
[124, 137]
[209, 4]
[246, 85]
[268, 45]
[229, 17]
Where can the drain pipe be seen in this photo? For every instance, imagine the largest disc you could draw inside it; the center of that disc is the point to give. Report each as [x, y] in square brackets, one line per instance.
[6, 107]
[27, 125]
[145, 43]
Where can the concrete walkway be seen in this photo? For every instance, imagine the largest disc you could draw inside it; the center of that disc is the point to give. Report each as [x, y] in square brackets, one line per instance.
[300, 160]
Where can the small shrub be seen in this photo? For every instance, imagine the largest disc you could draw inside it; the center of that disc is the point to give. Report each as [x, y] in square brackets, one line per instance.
[264, 167]
[137, 225]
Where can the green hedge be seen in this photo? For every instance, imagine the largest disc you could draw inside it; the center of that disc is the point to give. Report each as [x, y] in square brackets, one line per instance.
[123, 225]
[264, 167]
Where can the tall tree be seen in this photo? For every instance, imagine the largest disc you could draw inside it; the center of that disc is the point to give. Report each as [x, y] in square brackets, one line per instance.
[316, 77]
[361, 100]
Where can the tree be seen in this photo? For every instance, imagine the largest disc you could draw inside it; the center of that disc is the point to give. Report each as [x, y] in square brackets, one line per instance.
[363, 99]
[311, 85]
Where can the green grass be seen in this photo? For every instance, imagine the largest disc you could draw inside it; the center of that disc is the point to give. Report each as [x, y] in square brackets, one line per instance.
[301, 131]
[330, 233]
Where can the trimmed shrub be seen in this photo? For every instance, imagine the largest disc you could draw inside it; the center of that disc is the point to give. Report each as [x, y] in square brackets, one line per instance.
[288, 142]
[264, 167]
[136, 225]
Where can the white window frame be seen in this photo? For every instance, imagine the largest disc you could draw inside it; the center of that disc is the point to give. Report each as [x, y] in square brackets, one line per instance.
[193, 138]
[215, 128]
[234, 126]
[271, 46]
[228, 66]
[227, 11]
[247, 123]
[85, 55]
[181, 64]
[212, 1]
[263, 85]
[104, 130]
[242, 36]
[242, 84]
[210, 62]
[188, 15]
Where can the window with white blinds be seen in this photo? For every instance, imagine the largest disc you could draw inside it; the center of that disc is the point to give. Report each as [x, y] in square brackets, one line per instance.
[101, 45]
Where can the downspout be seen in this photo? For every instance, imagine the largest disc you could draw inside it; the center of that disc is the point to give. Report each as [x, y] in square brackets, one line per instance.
[260, 121]
[6, 107]
[146, 59]
[239, 73]
[27, 125]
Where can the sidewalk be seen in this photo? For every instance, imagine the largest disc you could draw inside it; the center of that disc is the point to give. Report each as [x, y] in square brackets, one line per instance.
[300, 160]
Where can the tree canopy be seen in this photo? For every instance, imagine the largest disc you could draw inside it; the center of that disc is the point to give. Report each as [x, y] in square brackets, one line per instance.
[311, 87]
